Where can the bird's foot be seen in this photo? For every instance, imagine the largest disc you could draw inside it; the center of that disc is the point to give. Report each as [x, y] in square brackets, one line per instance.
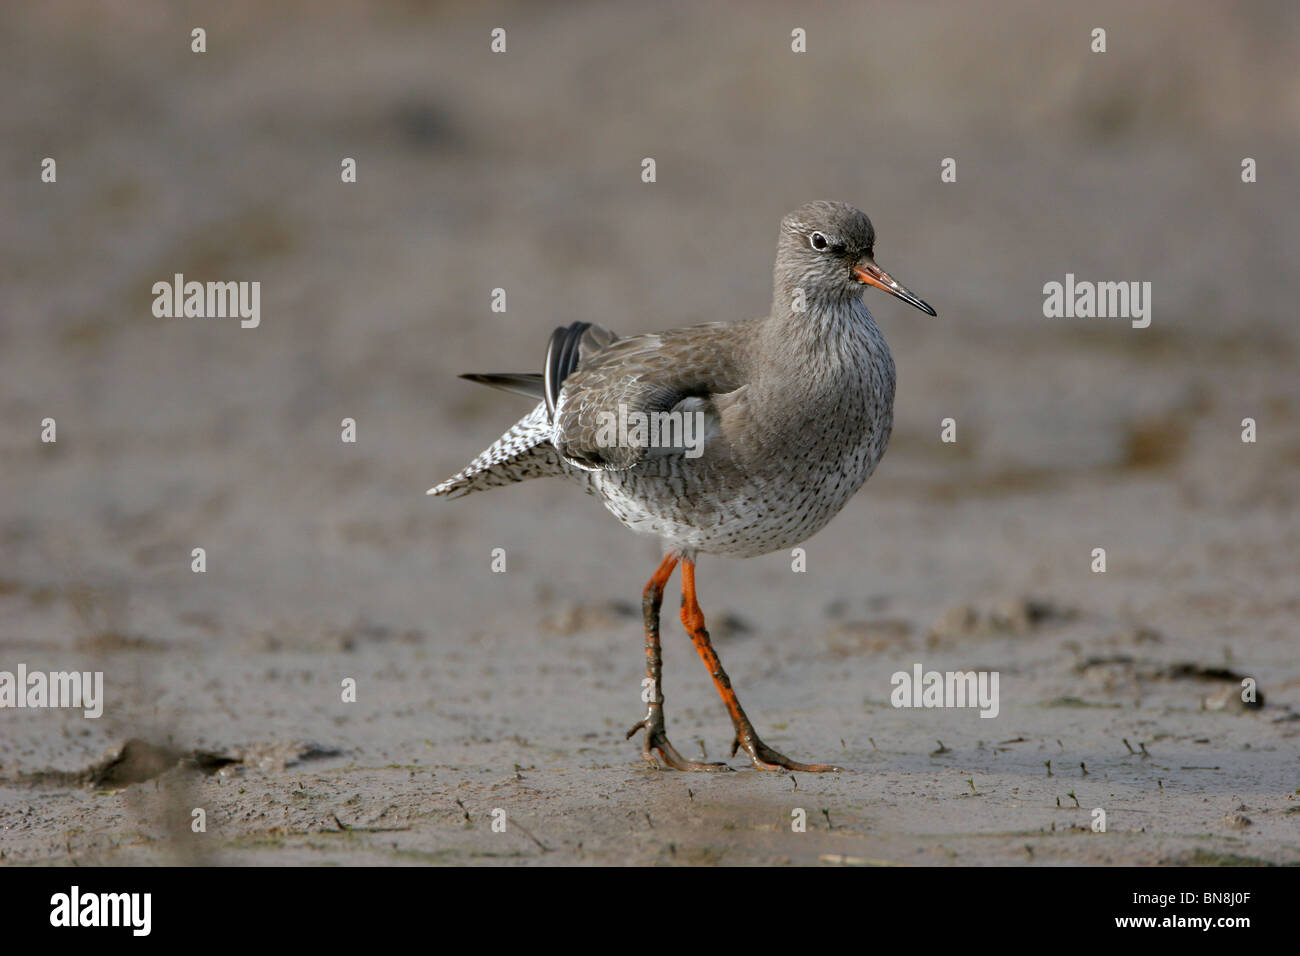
[656, 742]
[765, 758]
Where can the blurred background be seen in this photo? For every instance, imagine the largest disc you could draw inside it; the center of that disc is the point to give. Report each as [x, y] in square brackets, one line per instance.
[522, 171]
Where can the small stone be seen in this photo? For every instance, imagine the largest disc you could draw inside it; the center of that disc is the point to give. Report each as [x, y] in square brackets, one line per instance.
[573, 617]
[1228, 698]
[867, 637]
[1012, 615]
[956, 622]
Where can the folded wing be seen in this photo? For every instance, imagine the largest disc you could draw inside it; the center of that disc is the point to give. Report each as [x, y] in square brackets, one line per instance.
[633, 379]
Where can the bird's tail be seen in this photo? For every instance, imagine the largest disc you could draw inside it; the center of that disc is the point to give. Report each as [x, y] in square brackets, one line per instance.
[523, 452]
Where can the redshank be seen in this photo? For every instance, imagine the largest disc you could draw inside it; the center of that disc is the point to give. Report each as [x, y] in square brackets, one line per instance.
[796, 410]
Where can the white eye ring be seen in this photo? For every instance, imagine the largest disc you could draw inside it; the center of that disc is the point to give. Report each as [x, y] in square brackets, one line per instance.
[819, 242]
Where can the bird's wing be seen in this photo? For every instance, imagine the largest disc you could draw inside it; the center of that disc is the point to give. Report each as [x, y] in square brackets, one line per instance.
[570, 346]
[640, 376]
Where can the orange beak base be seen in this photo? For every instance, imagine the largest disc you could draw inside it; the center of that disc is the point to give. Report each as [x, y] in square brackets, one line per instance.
[868, 273]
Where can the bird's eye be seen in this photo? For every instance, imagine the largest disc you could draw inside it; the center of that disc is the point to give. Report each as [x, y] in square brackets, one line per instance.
[819, 242]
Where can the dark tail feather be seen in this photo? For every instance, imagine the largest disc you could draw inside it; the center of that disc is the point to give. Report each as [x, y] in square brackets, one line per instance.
[569, 345]
[530, 384]
[562, 354]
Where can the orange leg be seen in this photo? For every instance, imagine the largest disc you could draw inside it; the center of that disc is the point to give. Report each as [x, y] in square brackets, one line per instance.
[656, 739]
[763, 756]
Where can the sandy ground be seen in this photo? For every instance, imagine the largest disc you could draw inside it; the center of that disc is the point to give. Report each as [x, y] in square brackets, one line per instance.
[480, 691]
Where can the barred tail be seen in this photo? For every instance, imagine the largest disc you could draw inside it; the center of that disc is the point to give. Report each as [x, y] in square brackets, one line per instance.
[523, 452]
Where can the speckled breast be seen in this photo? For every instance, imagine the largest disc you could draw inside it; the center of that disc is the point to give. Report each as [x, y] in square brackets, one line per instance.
[805, 475]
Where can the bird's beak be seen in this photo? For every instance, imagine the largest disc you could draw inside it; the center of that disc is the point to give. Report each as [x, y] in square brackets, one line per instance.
[868, 273]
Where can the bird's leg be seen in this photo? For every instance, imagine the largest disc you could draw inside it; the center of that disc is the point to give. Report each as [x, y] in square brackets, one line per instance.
[656, 739]
[763, 756]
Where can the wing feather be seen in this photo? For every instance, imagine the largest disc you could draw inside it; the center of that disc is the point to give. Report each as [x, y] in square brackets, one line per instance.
[642, 374]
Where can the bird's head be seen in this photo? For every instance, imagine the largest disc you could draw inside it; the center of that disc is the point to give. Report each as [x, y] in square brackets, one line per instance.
[826, 253]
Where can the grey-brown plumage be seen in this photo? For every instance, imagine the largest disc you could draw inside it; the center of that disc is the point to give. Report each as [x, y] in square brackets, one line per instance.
[797, 407]
[794, 409]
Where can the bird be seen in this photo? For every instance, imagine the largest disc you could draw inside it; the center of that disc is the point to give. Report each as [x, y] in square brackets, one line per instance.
[735, 439]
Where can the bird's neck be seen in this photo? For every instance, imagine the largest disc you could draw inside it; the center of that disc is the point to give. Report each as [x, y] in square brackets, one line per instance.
[824, 369]
[831, 337]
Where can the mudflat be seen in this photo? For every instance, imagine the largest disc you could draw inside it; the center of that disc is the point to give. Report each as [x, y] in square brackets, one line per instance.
[487, 697]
